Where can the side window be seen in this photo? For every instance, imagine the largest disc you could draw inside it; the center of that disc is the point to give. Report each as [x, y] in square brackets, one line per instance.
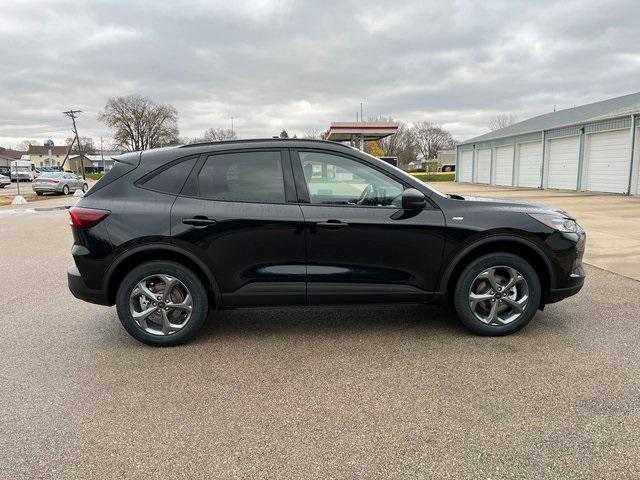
[336, 180]
[170, 180]
[243, 177]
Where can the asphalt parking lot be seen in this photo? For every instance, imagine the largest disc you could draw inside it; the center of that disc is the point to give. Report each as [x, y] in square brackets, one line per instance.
[358, 392]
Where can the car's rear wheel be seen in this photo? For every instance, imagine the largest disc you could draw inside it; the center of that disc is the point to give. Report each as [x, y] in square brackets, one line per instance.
[65, 190]
[85, 187]
[39, 194]
[162, 303]
[497, 294]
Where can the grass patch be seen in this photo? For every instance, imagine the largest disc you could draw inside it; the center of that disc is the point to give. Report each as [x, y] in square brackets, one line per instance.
[436, 177]
[94, 176]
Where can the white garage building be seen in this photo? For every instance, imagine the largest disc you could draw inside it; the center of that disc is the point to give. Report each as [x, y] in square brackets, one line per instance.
[593, 147]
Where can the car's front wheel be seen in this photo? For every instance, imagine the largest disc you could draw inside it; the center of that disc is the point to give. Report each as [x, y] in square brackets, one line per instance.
[85, 187]
[65, 190]
[162, 303]
[497, 294]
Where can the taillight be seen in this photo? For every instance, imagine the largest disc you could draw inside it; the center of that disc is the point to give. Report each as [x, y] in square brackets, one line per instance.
[86, 217]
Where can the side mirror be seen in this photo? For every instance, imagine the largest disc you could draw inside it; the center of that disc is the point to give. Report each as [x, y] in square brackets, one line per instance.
[413, 199]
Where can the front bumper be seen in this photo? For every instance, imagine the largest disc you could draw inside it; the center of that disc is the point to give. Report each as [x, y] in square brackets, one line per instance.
[577, 278]
[80, 290]
[570, 277]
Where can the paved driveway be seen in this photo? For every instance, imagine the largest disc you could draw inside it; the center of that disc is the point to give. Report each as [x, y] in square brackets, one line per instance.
[358, 392]
[612, 221]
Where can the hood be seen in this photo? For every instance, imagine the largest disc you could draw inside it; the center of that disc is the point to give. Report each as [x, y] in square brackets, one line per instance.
[516, 205]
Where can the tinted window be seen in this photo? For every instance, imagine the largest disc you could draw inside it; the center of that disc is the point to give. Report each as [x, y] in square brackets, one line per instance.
[171, 179]
[336, 180]
[243, 177]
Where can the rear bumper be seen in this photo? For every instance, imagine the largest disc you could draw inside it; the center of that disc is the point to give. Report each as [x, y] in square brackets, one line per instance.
[43, 189]
[80, 290]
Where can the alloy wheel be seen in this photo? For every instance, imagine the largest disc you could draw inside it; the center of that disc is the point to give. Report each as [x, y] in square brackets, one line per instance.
[498, 295]
[160, 304]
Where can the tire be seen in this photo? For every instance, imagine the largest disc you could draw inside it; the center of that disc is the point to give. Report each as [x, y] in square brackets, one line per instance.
[446, 169]
[39, 194]
[501, 264]
[189, 280]
[65, 190]
[85, 187]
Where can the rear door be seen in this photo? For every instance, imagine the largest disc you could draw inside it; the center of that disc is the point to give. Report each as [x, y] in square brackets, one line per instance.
[238, 212]
[361, 247]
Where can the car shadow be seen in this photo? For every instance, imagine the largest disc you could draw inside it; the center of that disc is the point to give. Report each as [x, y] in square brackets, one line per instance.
[434, 319]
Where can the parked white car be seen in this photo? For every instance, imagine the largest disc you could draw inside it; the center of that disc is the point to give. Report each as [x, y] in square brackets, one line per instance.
[4, 181]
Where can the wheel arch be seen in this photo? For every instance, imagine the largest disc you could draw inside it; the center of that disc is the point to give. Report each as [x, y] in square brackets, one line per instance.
[500, 243]
[139, 255]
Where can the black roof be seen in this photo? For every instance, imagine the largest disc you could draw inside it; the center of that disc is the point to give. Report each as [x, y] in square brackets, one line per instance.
[277, 140]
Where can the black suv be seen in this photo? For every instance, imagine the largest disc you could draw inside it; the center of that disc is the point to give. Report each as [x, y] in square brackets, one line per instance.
[170, 234]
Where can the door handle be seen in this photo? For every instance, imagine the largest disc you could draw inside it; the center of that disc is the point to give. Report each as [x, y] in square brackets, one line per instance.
[199, 221]
[332, 224]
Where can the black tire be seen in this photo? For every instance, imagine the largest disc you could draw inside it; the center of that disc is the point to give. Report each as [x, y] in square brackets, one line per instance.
[85, 187]
[65, 190]
[39, 194]
[475, 268]
[200, 302]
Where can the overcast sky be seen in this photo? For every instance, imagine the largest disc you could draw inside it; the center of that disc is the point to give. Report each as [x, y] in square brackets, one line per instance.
[300, 65]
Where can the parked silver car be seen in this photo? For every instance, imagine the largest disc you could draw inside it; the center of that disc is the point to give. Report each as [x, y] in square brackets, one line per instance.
[4, 181]
[59, 182]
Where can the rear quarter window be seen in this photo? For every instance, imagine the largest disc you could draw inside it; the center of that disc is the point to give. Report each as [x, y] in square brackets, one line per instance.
[119, 169]
[169, 178]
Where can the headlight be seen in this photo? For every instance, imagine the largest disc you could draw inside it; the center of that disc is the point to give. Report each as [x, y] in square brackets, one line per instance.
[556, 222]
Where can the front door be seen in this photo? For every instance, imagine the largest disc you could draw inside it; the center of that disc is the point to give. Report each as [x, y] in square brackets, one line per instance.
[238, 212]
[360, 245]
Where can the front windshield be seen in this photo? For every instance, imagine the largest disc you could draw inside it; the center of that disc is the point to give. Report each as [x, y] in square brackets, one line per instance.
[401, 172]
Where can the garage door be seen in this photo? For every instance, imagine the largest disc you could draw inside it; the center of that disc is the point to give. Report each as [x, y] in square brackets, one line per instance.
[530, 164]
[466, 169]
[563, 163]
[484, 165]
[607, 161]
[504, 165]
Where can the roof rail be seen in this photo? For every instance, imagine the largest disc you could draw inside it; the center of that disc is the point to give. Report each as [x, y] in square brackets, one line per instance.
[256, 140]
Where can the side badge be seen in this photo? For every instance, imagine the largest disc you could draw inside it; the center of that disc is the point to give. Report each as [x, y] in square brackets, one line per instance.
[457, 219]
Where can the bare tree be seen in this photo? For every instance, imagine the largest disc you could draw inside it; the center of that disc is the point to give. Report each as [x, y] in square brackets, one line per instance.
[86, 143]
[399, 144]
[219, 134]
[428, 138]
[25, 144]
[501, 121]
[314, 134]
[140, 123]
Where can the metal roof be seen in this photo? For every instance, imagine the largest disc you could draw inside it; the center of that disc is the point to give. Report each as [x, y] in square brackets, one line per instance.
[614, 107]
[345, 131]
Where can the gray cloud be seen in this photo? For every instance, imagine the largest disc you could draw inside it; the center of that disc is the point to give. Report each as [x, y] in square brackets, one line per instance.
[299, 65]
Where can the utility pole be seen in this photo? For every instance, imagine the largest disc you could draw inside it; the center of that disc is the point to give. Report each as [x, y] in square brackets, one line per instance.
[72, 115]
[232, 125]
[102, 155]
[361, 118]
